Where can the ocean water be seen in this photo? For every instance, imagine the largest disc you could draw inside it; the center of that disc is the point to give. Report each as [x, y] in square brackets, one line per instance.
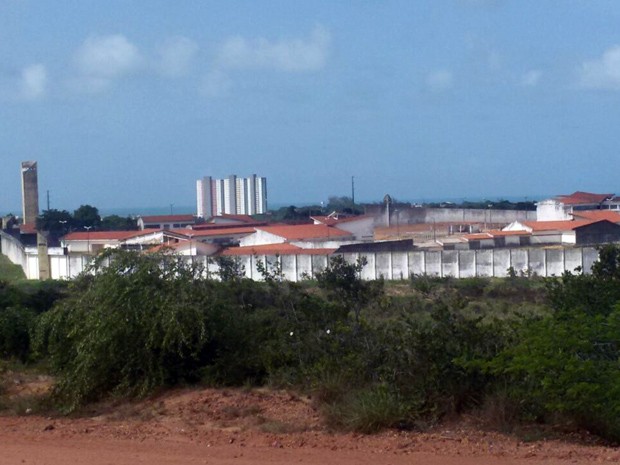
[144, 211]
[191, 209]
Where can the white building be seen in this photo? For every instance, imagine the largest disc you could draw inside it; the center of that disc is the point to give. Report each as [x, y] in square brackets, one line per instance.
[232, 195]
[562, 207]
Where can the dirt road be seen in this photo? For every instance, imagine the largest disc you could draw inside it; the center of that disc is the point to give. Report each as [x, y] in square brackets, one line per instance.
[259, 427]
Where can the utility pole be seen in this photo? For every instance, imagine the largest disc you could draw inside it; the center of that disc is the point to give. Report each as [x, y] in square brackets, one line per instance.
[88, 228]
[48, 199]
[353, 189]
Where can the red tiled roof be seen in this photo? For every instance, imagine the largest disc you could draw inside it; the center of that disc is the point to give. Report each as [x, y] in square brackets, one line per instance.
[305, 231]
[566, 225]
[608, 215]
[168, 218]
[494, 233]
[477, 236]
[275, 249]
[579, 197]
[99, 235]
[331, 220]
[242, 218]
[142, 232]
[201, 227]
[227, 231]
[498, 233]
[27, 228]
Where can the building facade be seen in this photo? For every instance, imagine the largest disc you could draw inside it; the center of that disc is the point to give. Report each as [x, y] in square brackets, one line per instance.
[232, 195]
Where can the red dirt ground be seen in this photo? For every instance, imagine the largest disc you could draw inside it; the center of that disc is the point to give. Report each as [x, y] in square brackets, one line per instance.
[242, 427]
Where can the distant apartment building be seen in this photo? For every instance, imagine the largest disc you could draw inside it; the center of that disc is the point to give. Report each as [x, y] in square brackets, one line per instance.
[30, 192]
[232, 195]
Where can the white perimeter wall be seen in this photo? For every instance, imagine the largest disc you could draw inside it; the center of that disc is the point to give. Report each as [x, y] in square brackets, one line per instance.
[389, 265]
[455, 263]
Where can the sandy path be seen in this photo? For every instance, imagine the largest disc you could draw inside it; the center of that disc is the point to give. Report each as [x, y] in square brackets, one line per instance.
[221, 427]
[52, 451]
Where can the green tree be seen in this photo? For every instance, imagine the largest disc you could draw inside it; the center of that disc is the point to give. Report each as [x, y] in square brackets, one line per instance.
[607, 267]
[568, 362]
[343, 205]
[86, 216]
[230, 268]
[343, 282]
[56, 222]
[293, 214]
[118, 223]
[132, 323]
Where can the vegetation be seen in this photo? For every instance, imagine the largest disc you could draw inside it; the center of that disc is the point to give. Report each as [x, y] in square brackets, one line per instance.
[20, 304]
[294, 214]
[10, 272]
[487, 204]
[373, 354]
[60, 222]
[567, 363]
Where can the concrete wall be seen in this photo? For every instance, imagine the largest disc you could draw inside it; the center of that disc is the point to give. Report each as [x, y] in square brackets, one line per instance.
[416, 215]
[16, 253]
[454, 263]
[386, 264]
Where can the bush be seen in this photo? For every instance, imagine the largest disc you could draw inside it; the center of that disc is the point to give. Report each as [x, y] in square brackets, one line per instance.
[136, 322]
[135, 325]
[16, 323]
[426, 283]
[20, 304]
[567, 362]
[367, 410]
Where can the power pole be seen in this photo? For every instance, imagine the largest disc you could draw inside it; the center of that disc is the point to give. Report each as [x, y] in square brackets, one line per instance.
[48, 199]
[353, 189]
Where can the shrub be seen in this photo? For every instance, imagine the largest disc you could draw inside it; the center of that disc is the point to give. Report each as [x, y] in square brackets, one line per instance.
[567, 362]
[20, 303]
[343, 283]
[367, 410]
[425, 283]
[16, 323]
[136, 324]
[472, 287]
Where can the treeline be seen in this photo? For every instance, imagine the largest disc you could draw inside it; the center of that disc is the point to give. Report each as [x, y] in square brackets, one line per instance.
[293, 214]
[60, 222]
[527, 205]
[522, 349]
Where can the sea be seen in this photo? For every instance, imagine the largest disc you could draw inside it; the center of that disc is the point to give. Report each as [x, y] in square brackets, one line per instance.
[191, 209]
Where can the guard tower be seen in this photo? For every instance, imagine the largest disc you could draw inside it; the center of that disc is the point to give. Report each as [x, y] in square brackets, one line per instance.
[30, 192]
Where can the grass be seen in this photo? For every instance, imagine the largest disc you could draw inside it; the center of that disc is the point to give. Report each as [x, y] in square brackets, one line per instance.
[367, 411]
[9, 272]
[19, 394]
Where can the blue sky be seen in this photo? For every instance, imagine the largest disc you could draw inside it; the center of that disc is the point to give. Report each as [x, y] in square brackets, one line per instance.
[126, 103]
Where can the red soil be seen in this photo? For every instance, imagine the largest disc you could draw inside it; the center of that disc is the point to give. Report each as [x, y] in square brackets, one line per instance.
[253, 427]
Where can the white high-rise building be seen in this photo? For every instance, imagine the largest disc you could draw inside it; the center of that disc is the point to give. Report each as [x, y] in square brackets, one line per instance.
[231, 195]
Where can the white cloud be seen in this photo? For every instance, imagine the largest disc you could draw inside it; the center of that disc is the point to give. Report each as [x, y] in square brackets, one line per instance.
[215, 84]
[292, 55]
[102, 59]
[439, 81]
[602, 73]
[531, 78]
[33, 82]
[176, 56]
